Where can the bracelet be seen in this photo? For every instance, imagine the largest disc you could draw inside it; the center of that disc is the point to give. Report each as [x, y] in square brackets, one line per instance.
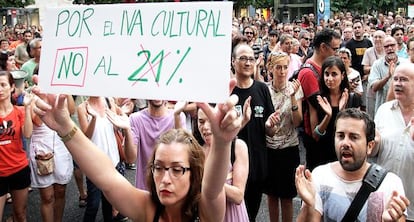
[295, 108]
[70, 135]
[319, 132]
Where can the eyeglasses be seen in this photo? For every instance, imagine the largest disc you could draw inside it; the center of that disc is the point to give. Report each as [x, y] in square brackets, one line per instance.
[307, 39]
[280, 67]
[175, 171]
[246, 59]
[297, 31]
[248, 33]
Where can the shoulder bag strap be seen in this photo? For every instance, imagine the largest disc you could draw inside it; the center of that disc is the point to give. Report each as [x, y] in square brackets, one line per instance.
[372, 180]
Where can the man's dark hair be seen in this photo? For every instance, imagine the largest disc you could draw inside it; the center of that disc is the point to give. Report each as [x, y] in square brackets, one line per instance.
[27, 31]
[355, 113]
[4, 40]
[395, 29]
[325, 36]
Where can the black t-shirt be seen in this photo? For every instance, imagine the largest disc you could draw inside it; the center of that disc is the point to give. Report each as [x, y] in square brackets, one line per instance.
[357, 49]
[254, 133]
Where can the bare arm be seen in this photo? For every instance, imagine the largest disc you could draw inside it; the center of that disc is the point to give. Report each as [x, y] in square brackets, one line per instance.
[28, 122]
[71, 104]
[306, 191]
[225, 124]
[122, 121]
[379, 84]
[132, 202]
[86, 126]
[235, 192]
[314, 117]
[296, 113]
[367, 69]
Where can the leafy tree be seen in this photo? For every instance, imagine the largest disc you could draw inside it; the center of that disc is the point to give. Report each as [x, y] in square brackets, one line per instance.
[16, 3]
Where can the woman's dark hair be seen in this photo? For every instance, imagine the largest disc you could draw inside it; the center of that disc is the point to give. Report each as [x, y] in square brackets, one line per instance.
[328, 63]
[196, 160]
[11, 83]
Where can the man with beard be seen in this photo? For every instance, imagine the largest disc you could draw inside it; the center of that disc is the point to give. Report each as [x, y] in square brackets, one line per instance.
[395, 123]
[147, 125]
[328, 191]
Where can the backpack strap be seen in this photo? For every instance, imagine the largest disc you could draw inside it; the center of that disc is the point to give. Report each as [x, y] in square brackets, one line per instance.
[372, 180]
[309, 65]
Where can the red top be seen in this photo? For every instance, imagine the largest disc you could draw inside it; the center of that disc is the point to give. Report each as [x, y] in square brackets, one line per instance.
[310, 86]
[12, 155]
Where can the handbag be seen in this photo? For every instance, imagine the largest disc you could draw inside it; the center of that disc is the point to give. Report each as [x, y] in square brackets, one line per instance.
[45, 163]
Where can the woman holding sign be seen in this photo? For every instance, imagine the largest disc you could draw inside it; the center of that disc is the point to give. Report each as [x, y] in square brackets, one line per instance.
[184, 187]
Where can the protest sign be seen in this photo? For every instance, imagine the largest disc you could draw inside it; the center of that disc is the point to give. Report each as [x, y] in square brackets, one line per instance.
[171, 51]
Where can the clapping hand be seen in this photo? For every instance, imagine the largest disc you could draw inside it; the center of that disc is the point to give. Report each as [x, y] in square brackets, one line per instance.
[395, 207]
[304, 185]
[179, 107]
[343, 101]
[28, 98]
[295, 86]
[90, 110]
[324, 103]
[273, 119]
[120, 121]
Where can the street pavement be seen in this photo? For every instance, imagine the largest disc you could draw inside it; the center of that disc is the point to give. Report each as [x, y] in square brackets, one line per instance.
[73, 213]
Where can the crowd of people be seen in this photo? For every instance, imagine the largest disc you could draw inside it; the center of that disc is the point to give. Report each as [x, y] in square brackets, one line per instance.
[343, 89]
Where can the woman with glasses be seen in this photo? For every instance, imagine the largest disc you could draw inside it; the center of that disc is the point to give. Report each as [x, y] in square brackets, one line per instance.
[184, 186]
[237, 174]
[283, 146]
[334, 96]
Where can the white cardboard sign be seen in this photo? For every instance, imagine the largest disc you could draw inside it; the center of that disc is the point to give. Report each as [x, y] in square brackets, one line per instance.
[171, 51]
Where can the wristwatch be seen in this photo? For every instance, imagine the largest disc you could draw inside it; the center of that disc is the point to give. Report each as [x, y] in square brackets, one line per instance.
[295, 108]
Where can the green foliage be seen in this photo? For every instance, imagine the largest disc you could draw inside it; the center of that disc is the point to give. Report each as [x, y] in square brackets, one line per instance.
[16, 3]
[365, 6]
[254, 3]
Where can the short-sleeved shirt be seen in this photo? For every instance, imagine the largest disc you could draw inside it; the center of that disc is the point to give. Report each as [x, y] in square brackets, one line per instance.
[396, 151]
[358, 49]
[334, 195]
[379, 70]
[254, 133]
[370, 56]
[286, 135]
